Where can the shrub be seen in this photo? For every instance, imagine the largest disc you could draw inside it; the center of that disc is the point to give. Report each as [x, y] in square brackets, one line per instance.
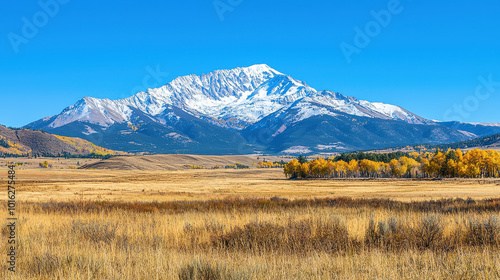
[95, 232]
[429, 232]
[45, 265]
[254, 236]
[372, 236]
[45, 164]
[201, 270]
[391, 234]
[237, 166]
[296, 236]
[50, 266]
[331, 236]
[485, 232]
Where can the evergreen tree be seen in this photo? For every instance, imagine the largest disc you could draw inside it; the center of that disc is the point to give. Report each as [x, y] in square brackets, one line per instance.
[302, 159]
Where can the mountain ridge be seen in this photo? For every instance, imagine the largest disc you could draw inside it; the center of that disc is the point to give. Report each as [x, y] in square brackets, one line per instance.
[22, 142]
[236, 101]
[244, 93]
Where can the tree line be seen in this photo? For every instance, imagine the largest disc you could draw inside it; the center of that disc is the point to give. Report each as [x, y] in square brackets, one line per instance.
[4, 143]
[476, 163]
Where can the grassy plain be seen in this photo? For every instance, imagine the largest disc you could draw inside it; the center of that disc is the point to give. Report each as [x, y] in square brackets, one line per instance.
[140, 224]
[117, 185]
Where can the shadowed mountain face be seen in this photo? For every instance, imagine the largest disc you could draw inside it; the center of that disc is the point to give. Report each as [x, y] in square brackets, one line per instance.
[244, 110]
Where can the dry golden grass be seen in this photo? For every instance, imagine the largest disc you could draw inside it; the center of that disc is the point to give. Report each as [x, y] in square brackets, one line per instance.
[57, 163]
[128, 243]
[172, 162]
[121, 244]
[45, 184]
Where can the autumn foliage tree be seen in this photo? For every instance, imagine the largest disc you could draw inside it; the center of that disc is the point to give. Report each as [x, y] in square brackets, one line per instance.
[439, 164]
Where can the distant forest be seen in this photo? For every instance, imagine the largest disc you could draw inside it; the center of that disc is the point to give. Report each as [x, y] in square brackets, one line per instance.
[477, 142]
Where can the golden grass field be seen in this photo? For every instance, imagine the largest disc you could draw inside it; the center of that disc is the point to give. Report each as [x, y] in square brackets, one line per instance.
[139, 224]
[116, 185]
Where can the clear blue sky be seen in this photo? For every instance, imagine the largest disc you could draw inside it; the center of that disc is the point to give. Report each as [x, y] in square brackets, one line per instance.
[426, 59]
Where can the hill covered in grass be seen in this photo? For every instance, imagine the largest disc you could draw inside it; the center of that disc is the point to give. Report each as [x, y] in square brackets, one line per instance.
[170, 162]
[25, 142]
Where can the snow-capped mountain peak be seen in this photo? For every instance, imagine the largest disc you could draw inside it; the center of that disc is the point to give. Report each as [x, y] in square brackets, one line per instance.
[243, 95]
[247, 109]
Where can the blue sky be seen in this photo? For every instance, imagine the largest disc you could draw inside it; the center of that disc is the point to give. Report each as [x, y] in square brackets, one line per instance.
[428, 58]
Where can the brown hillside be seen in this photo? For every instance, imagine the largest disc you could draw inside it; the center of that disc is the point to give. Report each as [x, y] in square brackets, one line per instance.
[23, 142]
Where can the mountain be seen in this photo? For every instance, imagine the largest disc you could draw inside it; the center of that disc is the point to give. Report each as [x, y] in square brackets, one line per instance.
[27, 142]
[229, 98]
[479, 129]
[486, 142]
[244, 110]
[343, 132]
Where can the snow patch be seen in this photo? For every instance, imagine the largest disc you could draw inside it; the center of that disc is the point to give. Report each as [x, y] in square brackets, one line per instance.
[279, 131]
[297, 150]
[333, 146]
[178, 137]
[89, 130]
[468, 134]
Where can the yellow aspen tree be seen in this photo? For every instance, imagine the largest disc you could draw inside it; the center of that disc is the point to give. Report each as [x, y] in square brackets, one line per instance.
[330, 167]
[304, 170]
[353, 168]
[395, 168]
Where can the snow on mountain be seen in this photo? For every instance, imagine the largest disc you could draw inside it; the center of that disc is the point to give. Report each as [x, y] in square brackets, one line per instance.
[247, 110]
[247, 94]
[103, 112]
[233, 98]
[331, 103]
[393, 112]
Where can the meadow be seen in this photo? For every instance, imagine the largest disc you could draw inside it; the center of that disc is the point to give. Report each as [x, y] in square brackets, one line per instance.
[252, 224]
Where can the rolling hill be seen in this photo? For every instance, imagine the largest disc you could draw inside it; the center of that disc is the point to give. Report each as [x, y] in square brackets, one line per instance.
[21, 142]
[168, 162]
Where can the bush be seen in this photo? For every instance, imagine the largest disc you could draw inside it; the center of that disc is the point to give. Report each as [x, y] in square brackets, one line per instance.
[95, 232]
[50, 266]
[45, 164]
[45, 265]
[429, 232]
[201, 270]
[331, 236]
[237, 166]
[392, 234]
[296, 236]
[480, 233]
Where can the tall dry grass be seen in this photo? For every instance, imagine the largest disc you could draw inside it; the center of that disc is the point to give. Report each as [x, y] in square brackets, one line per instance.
[259, 239]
